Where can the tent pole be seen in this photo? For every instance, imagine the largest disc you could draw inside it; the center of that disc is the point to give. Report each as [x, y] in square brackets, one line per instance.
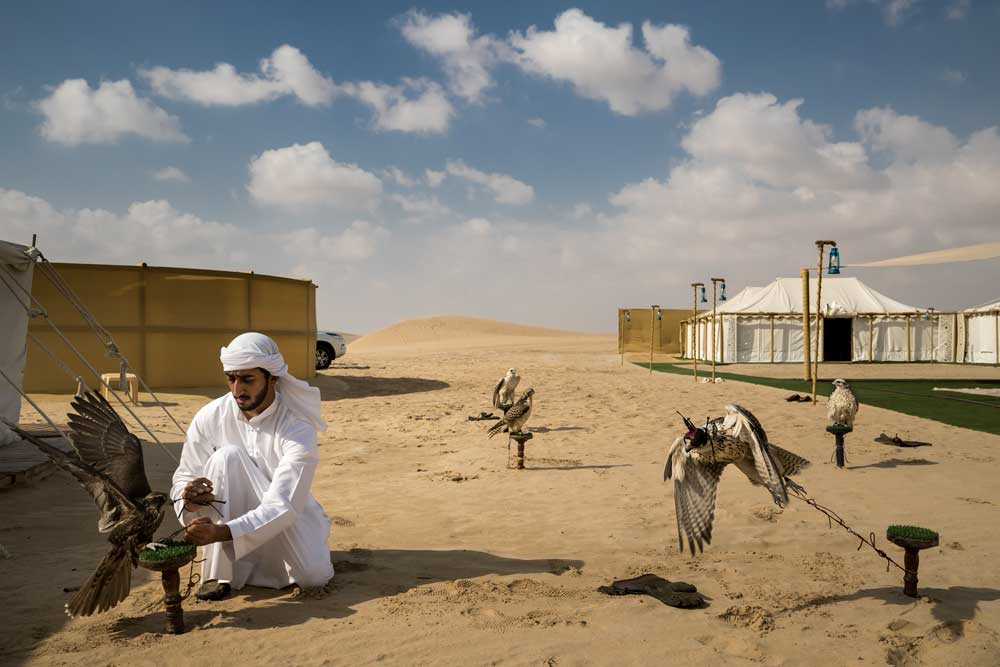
[954, 339]
[871, 338]
[909, 356]
[772, 339]
[805, 325]
[819, 313]
[996, 337]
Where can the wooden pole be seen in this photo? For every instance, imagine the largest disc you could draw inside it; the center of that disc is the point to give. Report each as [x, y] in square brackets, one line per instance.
[954, 339]
[694, 324]
[807, 374]
[996, 337]
[652, 323]
[871, 338]
[715, 325]
[772, 339]
[909, 355]
[819, 315]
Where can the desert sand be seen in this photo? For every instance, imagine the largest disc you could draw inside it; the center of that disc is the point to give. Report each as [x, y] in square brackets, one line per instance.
[444, 556]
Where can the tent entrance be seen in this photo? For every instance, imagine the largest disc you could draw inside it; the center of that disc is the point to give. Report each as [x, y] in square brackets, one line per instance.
[837, 337]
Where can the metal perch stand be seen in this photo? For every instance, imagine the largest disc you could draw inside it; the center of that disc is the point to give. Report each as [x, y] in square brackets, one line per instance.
[839, 431]
[520, 439]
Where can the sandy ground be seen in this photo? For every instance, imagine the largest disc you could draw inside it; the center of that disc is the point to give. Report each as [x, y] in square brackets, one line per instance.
[446, 556]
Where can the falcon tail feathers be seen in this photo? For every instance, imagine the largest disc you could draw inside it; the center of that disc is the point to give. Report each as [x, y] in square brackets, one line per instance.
[791, 464]
[108, 586]
[496, 428]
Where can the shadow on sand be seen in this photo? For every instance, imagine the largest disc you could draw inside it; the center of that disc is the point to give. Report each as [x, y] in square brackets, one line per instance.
[546, 429]
[895, 463]
[362, 575]
[363, 386]
[957, 604]
[581, 467]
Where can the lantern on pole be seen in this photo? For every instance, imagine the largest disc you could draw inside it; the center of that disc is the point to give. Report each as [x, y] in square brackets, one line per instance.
[834, 269]
[703, 299]
[722, 296]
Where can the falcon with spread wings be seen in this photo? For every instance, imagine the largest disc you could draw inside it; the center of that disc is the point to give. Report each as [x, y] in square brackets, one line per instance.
[697, 459]
[109, 465]
[503, 392]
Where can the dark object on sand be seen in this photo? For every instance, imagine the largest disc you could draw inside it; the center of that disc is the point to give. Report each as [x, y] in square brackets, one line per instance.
[896, 441]
[167, 560]
[671, 593]
[795, 398]
[913, 539]
[839, 431]
[483, 416]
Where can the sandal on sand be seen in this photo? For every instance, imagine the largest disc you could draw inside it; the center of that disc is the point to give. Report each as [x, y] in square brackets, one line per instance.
[212, 590]
[896, 441]
[483, 416]
[800, 399]
[672, 593]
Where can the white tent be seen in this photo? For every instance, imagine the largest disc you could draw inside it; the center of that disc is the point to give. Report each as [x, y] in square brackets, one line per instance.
[16, 269]
[764, 324]
[982, 331]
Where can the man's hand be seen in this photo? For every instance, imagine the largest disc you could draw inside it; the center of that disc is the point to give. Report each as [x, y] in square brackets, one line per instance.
[202, 531]
[197, 494]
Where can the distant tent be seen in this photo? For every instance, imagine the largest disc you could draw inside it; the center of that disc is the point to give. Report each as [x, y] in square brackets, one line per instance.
[16, 270]
[982, 328]
[764, 324]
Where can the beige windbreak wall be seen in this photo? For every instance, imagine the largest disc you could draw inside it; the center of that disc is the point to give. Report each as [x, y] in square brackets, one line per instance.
[634, 330]
[168, 322]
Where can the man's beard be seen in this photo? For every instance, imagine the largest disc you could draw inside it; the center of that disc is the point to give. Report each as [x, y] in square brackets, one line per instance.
[255, 401]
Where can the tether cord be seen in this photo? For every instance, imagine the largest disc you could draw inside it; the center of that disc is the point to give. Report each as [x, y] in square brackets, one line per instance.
[93, 370]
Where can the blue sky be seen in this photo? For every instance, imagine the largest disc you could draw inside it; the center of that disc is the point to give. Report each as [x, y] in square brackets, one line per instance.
[573, 167]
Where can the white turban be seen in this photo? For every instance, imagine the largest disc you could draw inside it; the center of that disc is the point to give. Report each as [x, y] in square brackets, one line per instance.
[255, 350]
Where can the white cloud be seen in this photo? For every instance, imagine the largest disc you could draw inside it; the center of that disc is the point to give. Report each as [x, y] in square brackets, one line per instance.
[952, 76]
[434, 178]
[536, 122]
[399, 177]
[907, 138]
[301, 177]
[77, 114]
[506, 189]
[602, 64]
[427, 112]
[958, 10]
[171, 174]
[894, 12]
[422, 209]
[286, 72]
[466, 58]
[150, 231]
[358, 241]
[477, 226]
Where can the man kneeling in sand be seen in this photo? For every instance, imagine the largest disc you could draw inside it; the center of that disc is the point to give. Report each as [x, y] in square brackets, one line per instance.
[254, 451]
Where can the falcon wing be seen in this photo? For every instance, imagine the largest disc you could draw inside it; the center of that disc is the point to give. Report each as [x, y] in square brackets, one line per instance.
[695, 486]
[113, 502]
[496, 392]
[747, 427]
[103, 441]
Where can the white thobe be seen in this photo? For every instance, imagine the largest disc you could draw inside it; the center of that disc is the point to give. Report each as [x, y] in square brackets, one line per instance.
[263, 468]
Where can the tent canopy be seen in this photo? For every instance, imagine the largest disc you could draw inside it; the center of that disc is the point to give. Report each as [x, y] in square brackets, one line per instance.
[984, 308]
[841, 296]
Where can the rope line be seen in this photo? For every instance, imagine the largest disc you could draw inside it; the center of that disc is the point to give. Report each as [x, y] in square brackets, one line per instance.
[832, 517]
[93, 370]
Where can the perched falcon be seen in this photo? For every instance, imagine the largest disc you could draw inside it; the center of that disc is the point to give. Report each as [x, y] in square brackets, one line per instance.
[503, 392]
[842, 406]
[516, 417]
[697, 459]
[109, 466]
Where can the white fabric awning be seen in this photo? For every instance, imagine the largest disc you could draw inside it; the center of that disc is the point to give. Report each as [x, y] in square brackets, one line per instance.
[841, 296]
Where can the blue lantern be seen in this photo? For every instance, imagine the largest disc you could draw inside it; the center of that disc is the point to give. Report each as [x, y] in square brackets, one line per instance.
[834, 269]
[703, 299]
[659, 314]
[928, 313]
[722, 297]
[628, 316]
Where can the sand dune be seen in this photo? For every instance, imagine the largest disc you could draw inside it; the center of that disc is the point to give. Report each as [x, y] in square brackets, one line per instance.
[451, 330]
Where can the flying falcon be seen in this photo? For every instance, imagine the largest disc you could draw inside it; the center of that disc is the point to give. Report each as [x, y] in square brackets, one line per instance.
[109, 466]
[842, 406]
[516, 417]
[503, 392]
[697, 459]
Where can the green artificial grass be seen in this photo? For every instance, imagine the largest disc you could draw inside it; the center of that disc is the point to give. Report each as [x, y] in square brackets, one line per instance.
[911, 533]
[911, 397]
[171, 549]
